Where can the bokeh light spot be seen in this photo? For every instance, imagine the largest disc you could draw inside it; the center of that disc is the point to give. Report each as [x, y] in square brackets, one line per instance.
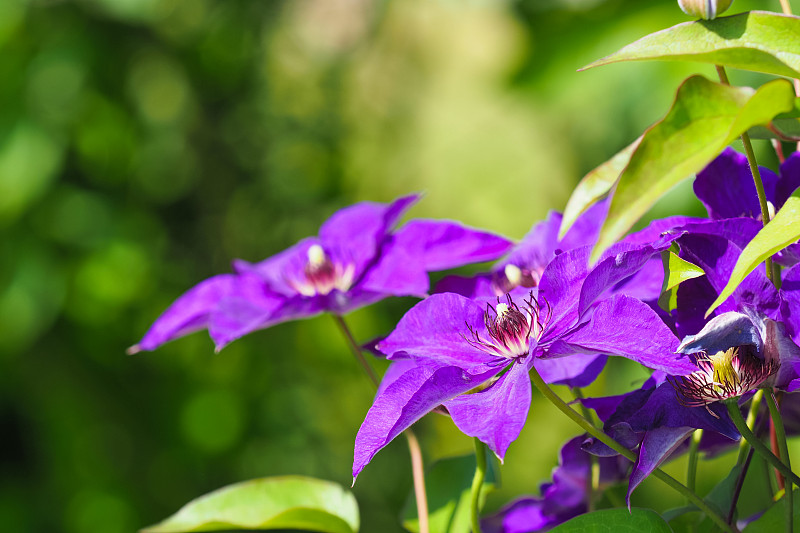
[213, 420]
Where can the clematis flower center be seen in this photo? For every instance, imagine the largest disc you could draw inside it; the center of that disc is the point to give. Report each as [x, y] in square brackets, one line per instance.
[514, 276]
[321, 275]
[725, 374]
[509, 328]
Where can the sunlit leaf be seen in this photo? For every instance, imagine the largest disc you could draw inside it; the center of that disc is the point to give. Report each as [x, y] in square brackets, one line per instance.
[594, 186]
[703, 120]
[676, 271]
[782, 231]
[448, 486]
[756, 40]
[615, 521]
[784, 126]
[290, 502]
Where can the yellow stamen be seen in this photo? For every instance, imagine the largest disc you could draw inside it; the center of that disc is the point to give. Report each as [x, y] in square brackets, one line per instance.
[501, 310]
[724, 373]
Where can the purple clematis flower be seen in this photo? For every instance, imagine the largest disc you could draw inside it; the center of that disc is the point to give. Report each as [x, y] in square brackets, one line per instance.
[357, 259]
[457, 345]
[566, 497]
[727, 190]
[653, 420]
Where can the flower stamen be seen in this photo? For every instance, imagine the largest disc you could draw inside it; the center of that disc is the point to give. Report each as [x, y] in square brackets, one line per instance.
[510, 328]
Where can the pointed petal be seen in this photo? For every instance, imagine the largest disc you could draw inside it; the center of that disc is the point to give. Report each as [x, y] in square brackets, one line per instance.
[354, 234]
[496, 414]
[406, 400]
[656, 446]
[560, 287]
[629, 328]
[187, 314]
[726, 186]
[437, 328]
[444, 244]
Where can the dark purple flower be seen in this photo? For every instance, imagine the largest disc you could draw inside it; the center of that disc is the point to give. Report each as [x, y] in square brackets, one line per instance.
[457, 345]
[653, 420]
[727, 190]
[356, 260]
[566, 497]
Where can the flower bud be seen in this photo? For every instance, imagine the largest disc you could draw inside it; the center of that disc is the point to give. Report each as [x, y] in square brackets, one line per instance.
[704, 9]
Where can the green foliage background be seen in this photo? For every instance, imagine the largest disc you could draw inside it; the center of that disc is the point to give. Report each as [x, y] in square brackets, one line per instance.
[146, 143]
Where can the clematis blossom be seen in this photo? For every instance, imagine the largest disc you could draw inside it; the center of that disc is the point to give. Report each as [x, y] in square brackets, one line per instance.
[357, 259]
[565, 497]
[473, 358]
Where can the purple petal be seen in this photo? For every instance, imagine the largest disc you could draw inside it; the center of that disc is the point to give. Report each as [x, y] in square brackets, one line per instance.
[726, 186]
[537, 248]
[496, 414]
[397, 273]
[406, 400]
[560, 287]
[437, 328]
[790, 301]
[626, 261]
[187, 314]
[248, 307]
[444, 244]
[629, 328]
[585, 229]
[354, 234]
[276, 271]
[479, 286]
[521, 516]
[577, 370]
[789, 180]
[722, 332]
[656, 446]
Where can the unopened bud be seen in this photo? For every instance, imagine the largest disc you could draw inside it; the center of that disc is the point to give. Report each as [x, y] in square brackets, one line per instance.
[704, 9]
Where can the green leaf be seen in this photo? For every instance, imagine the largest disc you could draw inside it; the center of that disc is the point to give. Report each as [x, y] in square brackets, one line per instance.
[615, 521]
[289, 502]
[703, 120]
[785, 126]
[676, 271]
[782, 231]
[448, 484]
[774, 519]
[757, 40]
[594, 186]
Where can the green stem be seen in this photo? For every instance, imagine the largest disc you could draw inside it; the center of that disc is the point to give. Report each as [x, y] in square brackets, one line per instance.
[736, 416]
[477, 484]
[620, 449]
[417, 470]
[784, 451]
[594, 480]
[691, 473]
[755, 403]
[751, 160]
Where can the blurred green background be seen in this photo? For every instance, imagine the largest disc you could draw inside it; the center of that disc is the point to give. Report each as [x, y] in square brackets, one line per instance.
[146, 143]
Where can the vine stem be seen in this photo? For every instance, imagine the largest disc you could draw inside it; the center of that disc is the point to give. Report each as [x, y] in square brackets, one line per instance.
[736, 416]
[751, 160]
[594, 461]
[417, 470]
[755, 403]
[691, 471]
[477, 484]
[775, 413]
[620, 449]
